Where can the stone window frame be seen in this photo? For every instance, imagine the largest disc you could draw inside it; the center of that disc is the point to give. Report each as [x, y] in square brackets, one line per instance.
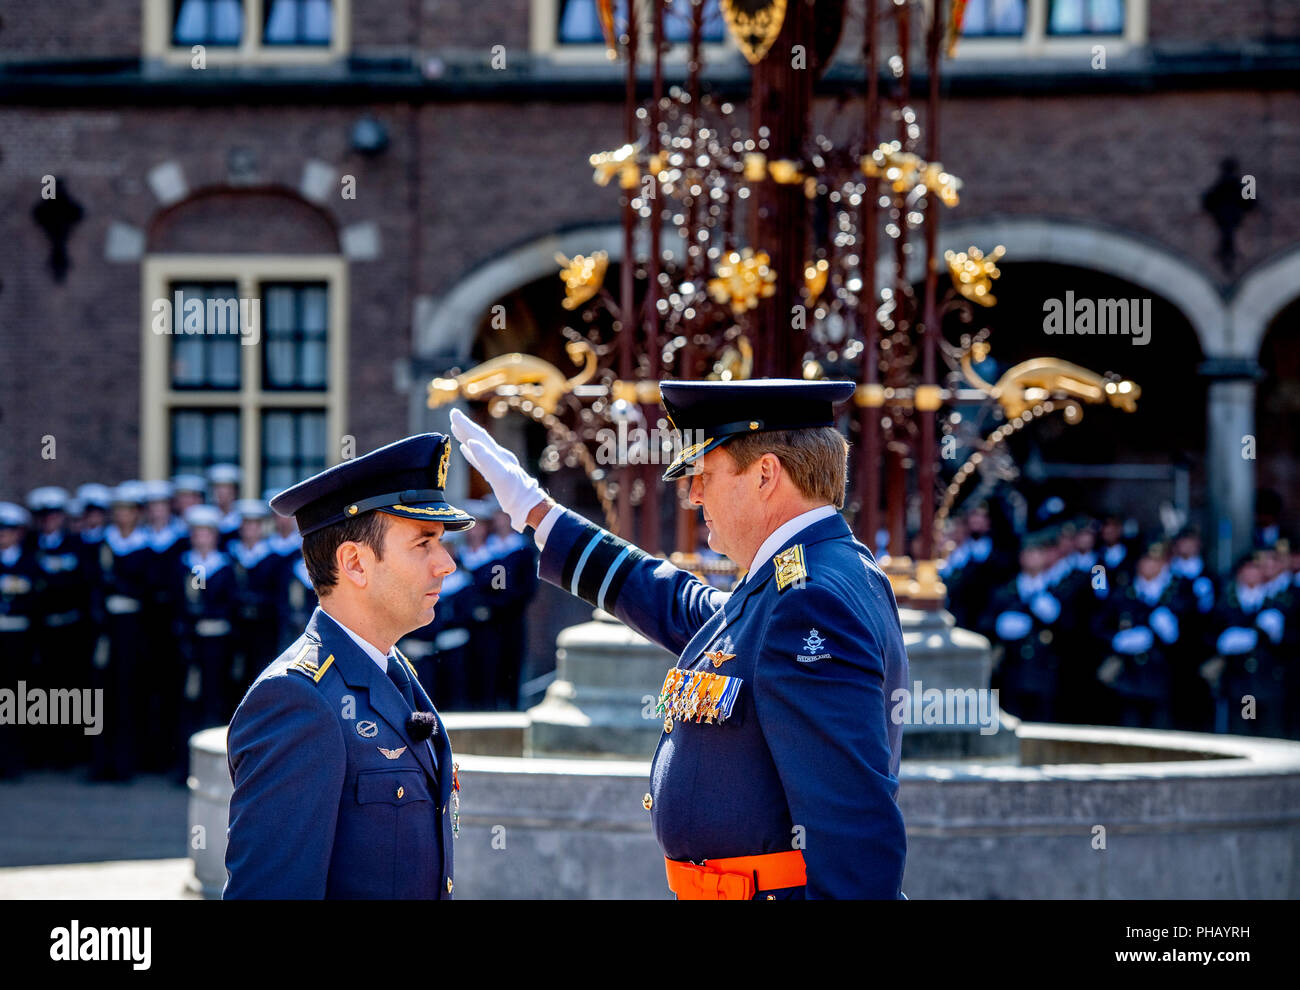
[158, 399]
[544, 27]
[157, 24]
[1036, 42]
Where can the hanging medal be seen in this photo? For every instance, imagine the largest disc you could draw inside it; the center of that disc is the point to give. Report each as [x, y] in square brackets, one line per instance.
[455, 800]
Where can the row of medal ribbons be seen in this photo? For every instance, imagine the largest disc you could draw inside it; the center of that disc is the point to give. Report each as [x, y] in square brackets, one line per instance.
[698, 695]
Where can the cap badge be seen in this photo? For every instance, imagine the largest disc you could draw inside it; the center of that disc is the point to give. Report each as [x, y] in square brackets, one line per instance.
[442, 464]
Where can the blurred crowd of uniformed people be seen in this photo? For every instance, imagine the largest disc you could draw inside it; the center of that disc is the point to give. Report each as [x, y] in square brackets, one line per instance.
[172, 605]
[1095, 623]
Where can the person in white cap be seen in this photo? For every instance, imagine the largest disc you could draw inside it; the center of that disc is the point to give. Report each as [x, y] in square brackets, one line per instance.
[223, 483]
[285, 544]
[125, 566]
[187, 490]
[19, 584]
[256, 569]
[94, 499]
[208, 601]
[64, 630]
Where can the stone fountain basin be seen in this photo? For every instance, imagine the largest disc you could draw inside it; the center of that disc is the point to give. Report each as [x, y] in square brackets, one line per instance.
[1086, 812]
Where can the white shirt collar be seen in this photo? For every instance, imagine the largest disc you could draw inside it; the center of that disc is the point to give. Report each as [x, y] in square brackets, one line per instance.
[784, 532]
[371, 651]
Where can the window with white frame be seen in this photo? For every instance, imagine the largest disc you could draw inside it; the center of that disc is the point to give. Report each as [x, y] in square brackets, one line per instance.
[570, 29]
[243, 363]
[235, 31]
[1018, 27]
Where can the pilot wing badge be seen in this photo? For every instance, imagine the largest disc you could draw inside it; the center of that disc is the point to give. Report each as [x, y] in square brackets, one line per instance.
[812, 645]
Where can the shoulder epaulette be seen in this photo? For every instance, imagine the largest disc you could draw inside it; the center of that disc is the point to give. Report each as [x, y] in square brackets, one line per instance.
[790, 567]
[311, 668]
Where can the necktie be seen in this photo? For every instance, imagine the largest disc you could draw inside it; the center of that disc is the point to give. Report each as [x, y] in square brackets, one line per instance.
[398, 675]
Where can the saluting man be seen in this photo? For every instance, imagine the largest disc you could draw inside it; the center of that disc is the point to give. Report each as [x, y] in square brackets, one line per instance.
[343, 774]
[776, 773]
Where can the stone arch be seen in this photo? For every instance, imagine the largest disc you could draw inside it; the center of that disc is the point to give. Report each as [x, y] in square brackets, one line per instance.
[447, 328]
[1115, 252]
[233, 220]
[1262, 293]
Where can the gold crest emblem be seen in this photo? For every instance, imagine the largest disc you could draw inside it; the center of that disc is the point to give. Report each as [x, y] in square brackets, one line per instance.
[442, 464]
[790, 567]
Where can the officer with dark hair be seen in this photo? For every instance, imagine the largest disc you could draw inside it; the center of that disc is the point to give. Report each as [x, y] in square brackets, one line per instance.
[776, 774]
[344, 785]
[1143, 627]
[1026, 620]
[1249, 665]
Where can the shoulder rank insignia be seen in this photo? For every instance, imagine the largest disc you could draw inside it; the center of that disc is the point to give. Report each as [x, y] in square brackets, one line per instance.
[790, 567]
[310, 667]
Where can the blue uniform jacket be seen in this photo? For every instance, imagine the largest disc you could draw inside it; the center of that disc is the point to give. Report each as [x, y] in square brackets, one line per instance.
[809, 759]
[319, 809]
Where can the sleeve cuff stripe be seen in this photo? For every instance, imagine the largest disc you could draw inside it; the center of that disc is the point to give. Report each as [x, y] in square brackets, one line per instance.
[582, 561]
[598, 568]
[620, 574]
[609, 575]
[587, 534]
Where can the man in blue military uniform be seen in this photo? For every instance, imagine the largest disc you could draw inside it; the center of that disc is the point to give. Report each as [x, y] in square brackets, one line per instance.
[343, 774]
[776, 774]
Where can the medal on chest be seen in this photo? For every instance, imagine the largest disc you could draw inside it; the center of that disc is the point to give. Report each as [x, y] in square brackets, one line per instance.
[697, 695]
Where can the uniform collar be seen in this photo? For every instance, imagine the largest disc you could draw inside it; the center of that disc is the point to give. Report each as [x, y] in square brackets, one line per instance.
[123, 545]
[369, 649]
[212, 563]
[785, 533]
[355, 661]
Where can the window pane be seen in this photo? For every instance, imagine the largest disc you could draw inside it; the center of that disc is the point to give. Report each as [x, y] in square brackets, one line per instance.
[314, 362]
[1085, 17]
[677, 21]
[206, 329]
[994, 18]
[297, 22]
[207, 22]
[580, 24]
[315, 311]
[294, 355]
[293, 446]
[203, 437]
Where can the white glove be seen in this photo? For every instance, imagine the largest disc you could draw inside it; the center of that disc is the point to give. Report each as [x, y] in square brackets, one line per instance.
[1165, 624]
[1137, 639]
[516, 490]
[1045, 606]
[1236, 639]
[1013, 625]
[1271, 621]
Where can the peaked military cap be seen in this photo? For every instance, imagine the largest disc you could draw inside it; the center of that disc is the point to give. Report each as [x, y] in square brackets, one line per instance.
[405, 478]
[708, 414]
